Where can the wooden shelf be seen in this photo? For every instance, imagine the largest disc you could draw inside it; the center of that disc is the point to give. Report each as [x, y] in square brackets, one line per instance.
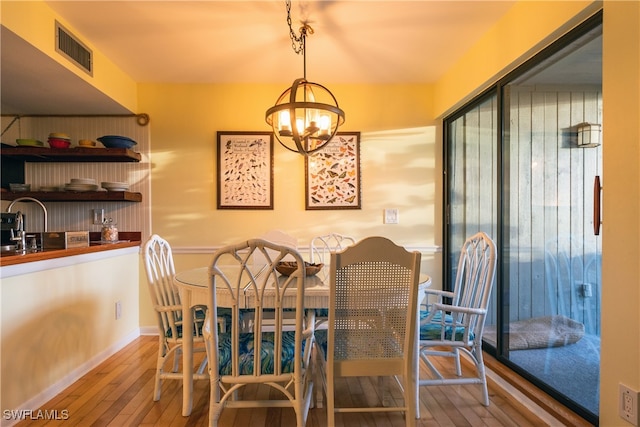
[70, 196]
[76, 154]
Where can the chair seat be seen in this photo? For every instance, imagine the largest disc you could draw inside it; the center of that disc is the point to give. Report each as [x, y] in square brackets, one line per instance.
[433, 330]
[247, 352]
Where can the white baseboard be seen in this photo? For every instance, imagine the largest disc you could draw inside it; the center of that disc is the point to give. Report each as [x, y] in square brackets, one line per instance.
[49, 393]
[148, 330]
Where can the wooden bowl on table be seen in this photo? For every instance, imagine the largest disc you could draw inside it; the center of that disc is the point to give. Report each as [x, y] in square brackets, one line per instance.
[287, 267]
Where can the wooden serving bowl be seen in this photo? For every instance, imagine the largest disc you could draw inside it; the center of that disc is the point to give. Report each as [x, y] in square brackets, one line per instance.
[287, 267]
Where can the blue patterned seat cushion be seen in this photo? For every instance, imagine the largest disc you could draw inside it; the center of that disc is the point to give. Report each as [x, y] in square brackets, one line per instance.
[198, 320]
[200, 313]
[432, 330]
[247, 351]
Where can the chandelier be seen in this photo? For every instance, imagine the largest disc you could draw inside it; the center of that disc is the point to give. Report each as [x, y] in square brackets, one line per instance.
[306, 116]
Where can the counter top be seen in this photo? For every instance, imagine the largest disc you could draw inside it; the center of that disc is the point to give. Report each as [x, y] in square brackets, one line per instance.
[60, 253]
[134, 239]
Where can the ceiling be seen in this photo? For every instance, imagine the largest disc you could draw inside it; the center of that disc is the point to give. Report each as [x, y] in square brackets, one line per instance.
[211, 41]
[360, 41]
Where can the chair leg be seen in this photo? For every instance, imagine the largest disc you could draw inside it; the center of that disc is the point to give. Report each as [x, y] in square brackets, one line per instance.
[410, 400]
[482, 374]
[319, 377]
[203, 365]
[456, 357]
[177, 354]
[157, 388]
[415, 379]
[331, 414]
[383, 389]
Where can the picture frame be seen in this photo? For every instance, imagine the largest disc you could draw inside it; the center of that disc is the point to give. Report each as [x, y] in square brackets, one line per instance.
[332, 175]
[245, 170]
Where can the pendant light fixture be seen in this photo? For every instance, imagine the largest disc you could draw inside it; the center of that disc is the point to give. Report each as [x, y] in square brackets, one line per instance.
[306, 116]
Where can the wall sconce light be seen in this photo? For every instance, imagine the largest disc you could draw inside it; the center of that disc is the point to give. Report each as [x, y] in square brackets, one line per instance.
[589, 135]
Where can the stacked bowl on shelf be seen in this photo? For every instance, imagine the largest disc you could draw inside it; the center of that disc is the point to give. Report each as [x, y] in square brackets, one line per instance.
[81, 185]
[115, 186]
[59, 140]
[27, 142]
[18, 187]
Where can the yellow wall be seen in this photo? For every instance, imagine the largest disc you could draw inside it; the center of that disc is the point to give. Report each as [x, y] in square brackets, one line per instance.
[397, 170]
[620, 354]
[34, 21]
[525, 29]
[399, 152]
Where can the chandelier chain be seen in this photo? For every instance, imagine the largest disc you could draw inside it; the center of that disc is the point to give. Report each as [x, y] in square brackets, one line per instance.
[297, 41]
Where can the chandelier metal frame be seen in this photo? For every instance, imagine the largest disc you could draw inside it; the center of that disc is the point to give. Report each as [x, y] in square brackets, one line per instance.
[299, 122]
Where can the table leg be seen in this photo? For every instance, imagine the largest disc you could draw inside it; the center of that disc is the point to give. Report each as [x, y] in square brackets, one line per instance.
[187, 353]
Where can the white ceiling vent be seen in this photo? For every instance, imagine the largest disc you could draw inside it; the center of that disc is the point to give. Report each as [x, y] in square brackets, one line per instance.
[73, 49]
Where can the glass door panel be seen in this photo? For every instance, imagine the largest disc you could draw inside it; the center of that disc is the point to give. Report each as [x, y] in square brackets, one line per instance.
[515, 170]
[552, 255]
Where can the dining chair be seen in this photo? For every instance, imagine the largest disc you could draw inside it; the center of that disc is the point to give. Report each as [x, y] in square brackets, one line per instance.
[278, 358]
[166, 302]
[372, 322]
[283, 238]
[321, 247]
[453, 322]
[279, 237]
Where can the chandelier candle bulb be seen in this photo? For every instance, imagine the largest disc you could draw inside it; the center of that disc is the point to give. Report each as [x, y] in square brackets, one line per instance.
[284, 120]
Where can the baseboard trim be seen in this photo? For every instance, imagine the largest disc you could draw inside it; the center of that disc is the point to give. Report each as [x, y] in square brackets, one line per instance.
[50, 392]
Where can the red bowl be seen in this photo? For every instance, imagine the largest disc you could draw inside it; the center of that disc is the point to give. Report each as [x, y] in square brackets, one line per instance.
[58, 143]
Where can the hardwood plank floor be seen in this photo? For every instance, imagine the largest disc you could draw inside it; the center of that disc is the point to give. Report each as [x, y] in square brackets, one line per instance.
[119, 393]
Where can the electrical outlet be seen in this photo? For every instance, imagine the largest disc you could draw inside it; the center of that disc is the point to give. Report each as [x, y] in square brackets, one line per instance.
[118, 309]
[628, 405]
[97, 216]
[586, 290]
[391, 216]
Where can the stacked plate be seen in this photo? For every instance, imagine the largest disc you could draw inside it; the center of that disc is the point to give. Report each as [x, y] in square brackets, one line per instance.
[115, 186]
[20, 187]
[26, 142]
[81, 184]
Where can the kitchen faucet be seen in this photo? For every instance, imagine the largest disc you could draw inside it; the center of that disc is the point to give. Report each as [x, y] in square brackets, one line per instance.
[44, 209]
[21, 238]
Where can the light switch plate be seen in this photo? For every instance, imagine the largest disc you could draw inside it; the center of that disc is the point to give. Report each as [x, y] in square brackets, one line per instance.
[97, 216]
[391, 216]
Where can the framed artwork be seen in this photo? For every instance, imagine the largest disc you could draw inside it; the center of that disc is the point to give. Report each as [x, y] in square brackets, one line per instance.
[245, 170]
[332, 175]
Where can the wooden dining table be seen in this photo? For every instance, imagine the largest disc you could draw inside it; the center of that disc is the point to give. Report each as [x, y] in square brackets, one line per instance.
[193, 285]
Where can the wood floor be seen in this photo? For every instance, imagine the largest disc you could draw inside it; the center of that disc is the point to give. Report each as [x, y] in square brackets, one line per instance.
[119, 393]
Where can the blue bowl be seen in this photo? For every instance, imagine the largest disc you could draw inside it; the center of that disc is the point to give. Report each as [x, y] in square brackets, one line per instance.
[114, 141]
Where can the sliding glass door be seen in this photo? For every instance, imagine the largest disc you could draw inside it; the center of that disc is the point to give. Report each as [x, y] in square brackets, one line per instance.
[517, 170]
